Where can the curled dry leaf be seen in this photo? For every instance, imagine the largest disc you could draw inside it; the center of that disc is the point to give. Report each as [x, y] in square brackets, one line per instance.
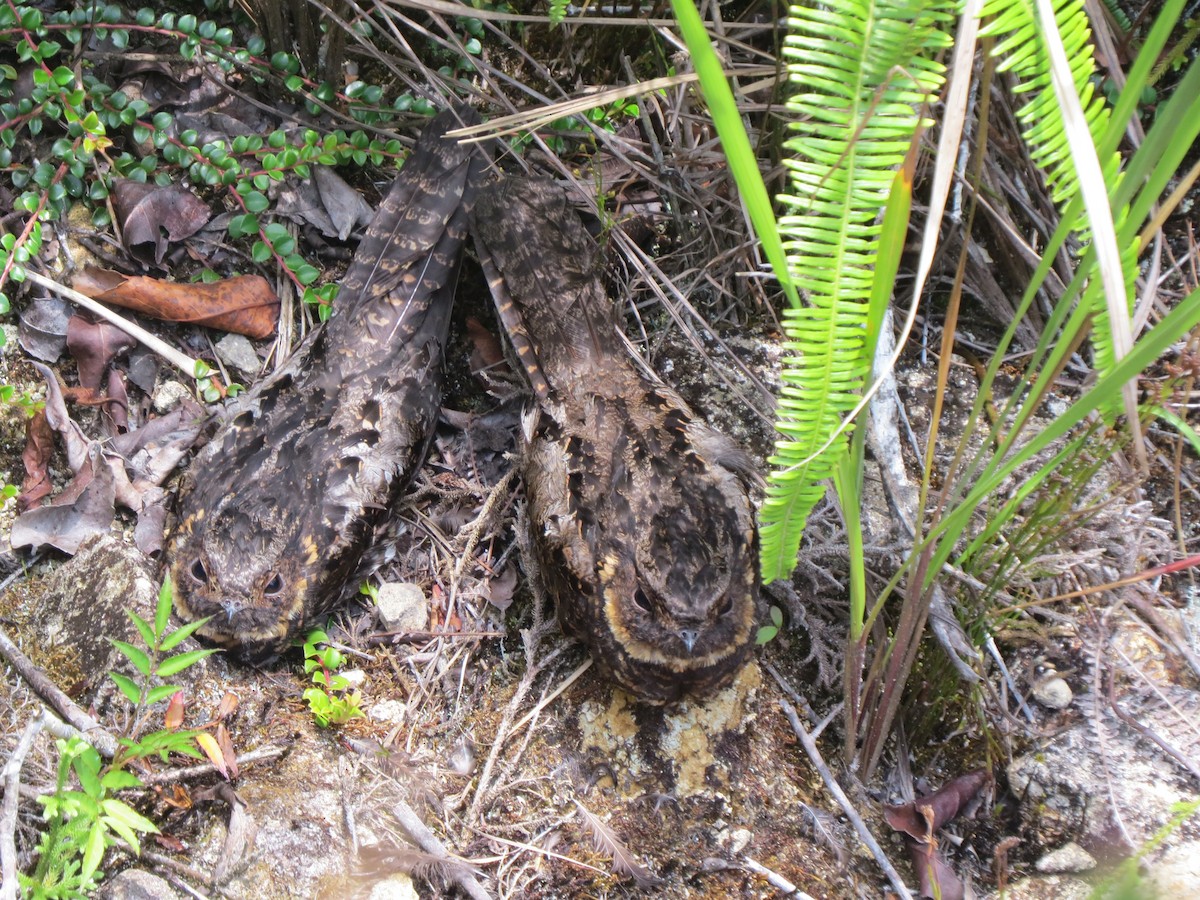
[918, 817]
[325, 202]
[39, 447]
[245, 304]
[150, 215]
[43, 332]
[94, 345]
[84, 509]
[86, 506]
[225, 742]
[499, 590]
[919, 820]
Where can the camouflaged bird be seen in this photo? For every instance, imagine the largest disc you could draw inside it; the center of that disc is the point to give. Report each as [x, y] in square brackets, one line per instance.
[642, 524]
[278, 510]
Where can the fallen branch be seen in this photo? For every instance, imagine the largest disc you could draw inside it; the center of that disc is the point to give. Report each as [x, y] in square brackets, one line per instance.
[170, 776]
[8, 811]
[428, 842]
[179, 360]
[89, 729]
[835, 789]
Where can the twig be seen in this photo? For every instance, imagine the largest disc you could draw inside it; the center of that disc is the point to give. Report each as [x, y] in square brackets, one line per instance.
[8, 811]
[90, 730]
[171, 776]
[549, 698]
[428, 842]
[776, 880]
[21, 571]
[542, 851]
[179, 360]
[864, 833]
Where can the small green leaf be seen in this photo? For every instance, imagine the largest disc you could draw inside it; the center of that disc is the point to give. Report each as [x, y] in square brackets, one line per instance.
[119, 779]
[144, 628]
[162, 611]
[175, 664]
[93, 850]
[179, 635]
[140, 660]
[160, 693]
[127, 686]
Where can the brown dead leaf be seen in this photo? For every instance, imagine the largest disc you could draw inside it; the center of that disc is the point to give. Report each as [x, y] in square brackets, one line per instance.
[174, 716]
[151, 528]
[245, 304]
[85, 506]
[77, 513]
[225, 742]
[43, 331]
[94, 345]
[499, 590]
[920, 819]
[179, 797]
[39, 447]
[150, 215]
[228, 706]
[326, 202]
[486, 352]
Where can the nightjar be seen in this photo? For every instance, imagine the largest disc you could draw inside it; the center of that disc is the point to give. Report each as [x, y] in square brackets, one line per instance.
[642, 524]
[277, 512]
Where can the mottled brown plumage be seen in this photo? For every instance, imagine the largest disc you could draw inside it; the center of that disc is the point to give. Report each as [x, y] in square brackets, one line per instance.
[277, 511]
[641, 519]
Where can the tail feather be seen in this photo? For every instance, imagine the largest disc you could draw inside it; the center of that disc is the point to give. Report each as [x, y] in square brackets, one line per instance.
[436, 181]
[542, 267]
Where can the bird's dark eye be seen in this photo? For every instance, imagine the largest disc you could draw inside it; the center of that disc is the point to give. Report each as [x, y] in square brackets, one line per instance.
[199, 573]
[275, 585]
[641, 601]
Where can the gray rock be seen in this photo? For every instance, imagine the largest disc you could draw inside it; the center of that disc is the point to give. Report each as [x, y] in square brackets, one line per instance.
[237, 352]
[1053, 693]
[396, 887]
[1176, 873]
[86, 606]
[1046, 887]
[1070, 858]
[168, 395]
[135, 884]
[87, 602]
[402, 607]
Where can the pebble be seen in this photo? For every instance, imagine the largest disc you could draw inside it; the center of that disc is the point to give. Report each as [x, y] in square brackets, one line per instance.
[1053, 692]
[1070, 858]
[237, 352]
[402, 607]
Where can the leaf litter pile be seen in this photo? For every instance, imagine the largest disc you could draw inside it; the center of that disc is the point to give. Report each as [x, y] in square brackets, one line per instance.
[490, 762]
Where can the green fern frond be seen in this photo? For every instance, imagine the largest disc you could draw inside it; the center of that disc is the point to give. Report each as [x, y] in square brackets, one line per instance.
[1022, 49]
[862, 71]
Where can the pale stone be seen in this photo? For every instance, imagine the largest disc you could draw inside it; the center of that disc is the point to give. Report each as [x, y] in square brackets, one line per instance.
[402, 607]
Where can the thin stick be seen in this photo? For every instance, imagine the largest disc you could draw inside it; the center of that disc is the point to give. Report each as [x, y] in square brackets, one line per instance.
[428, 842]
[170, 776]
[549, 698]
[776, 880]
[8, 811]
[179, 360]
[90, 730]
[864, 833]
